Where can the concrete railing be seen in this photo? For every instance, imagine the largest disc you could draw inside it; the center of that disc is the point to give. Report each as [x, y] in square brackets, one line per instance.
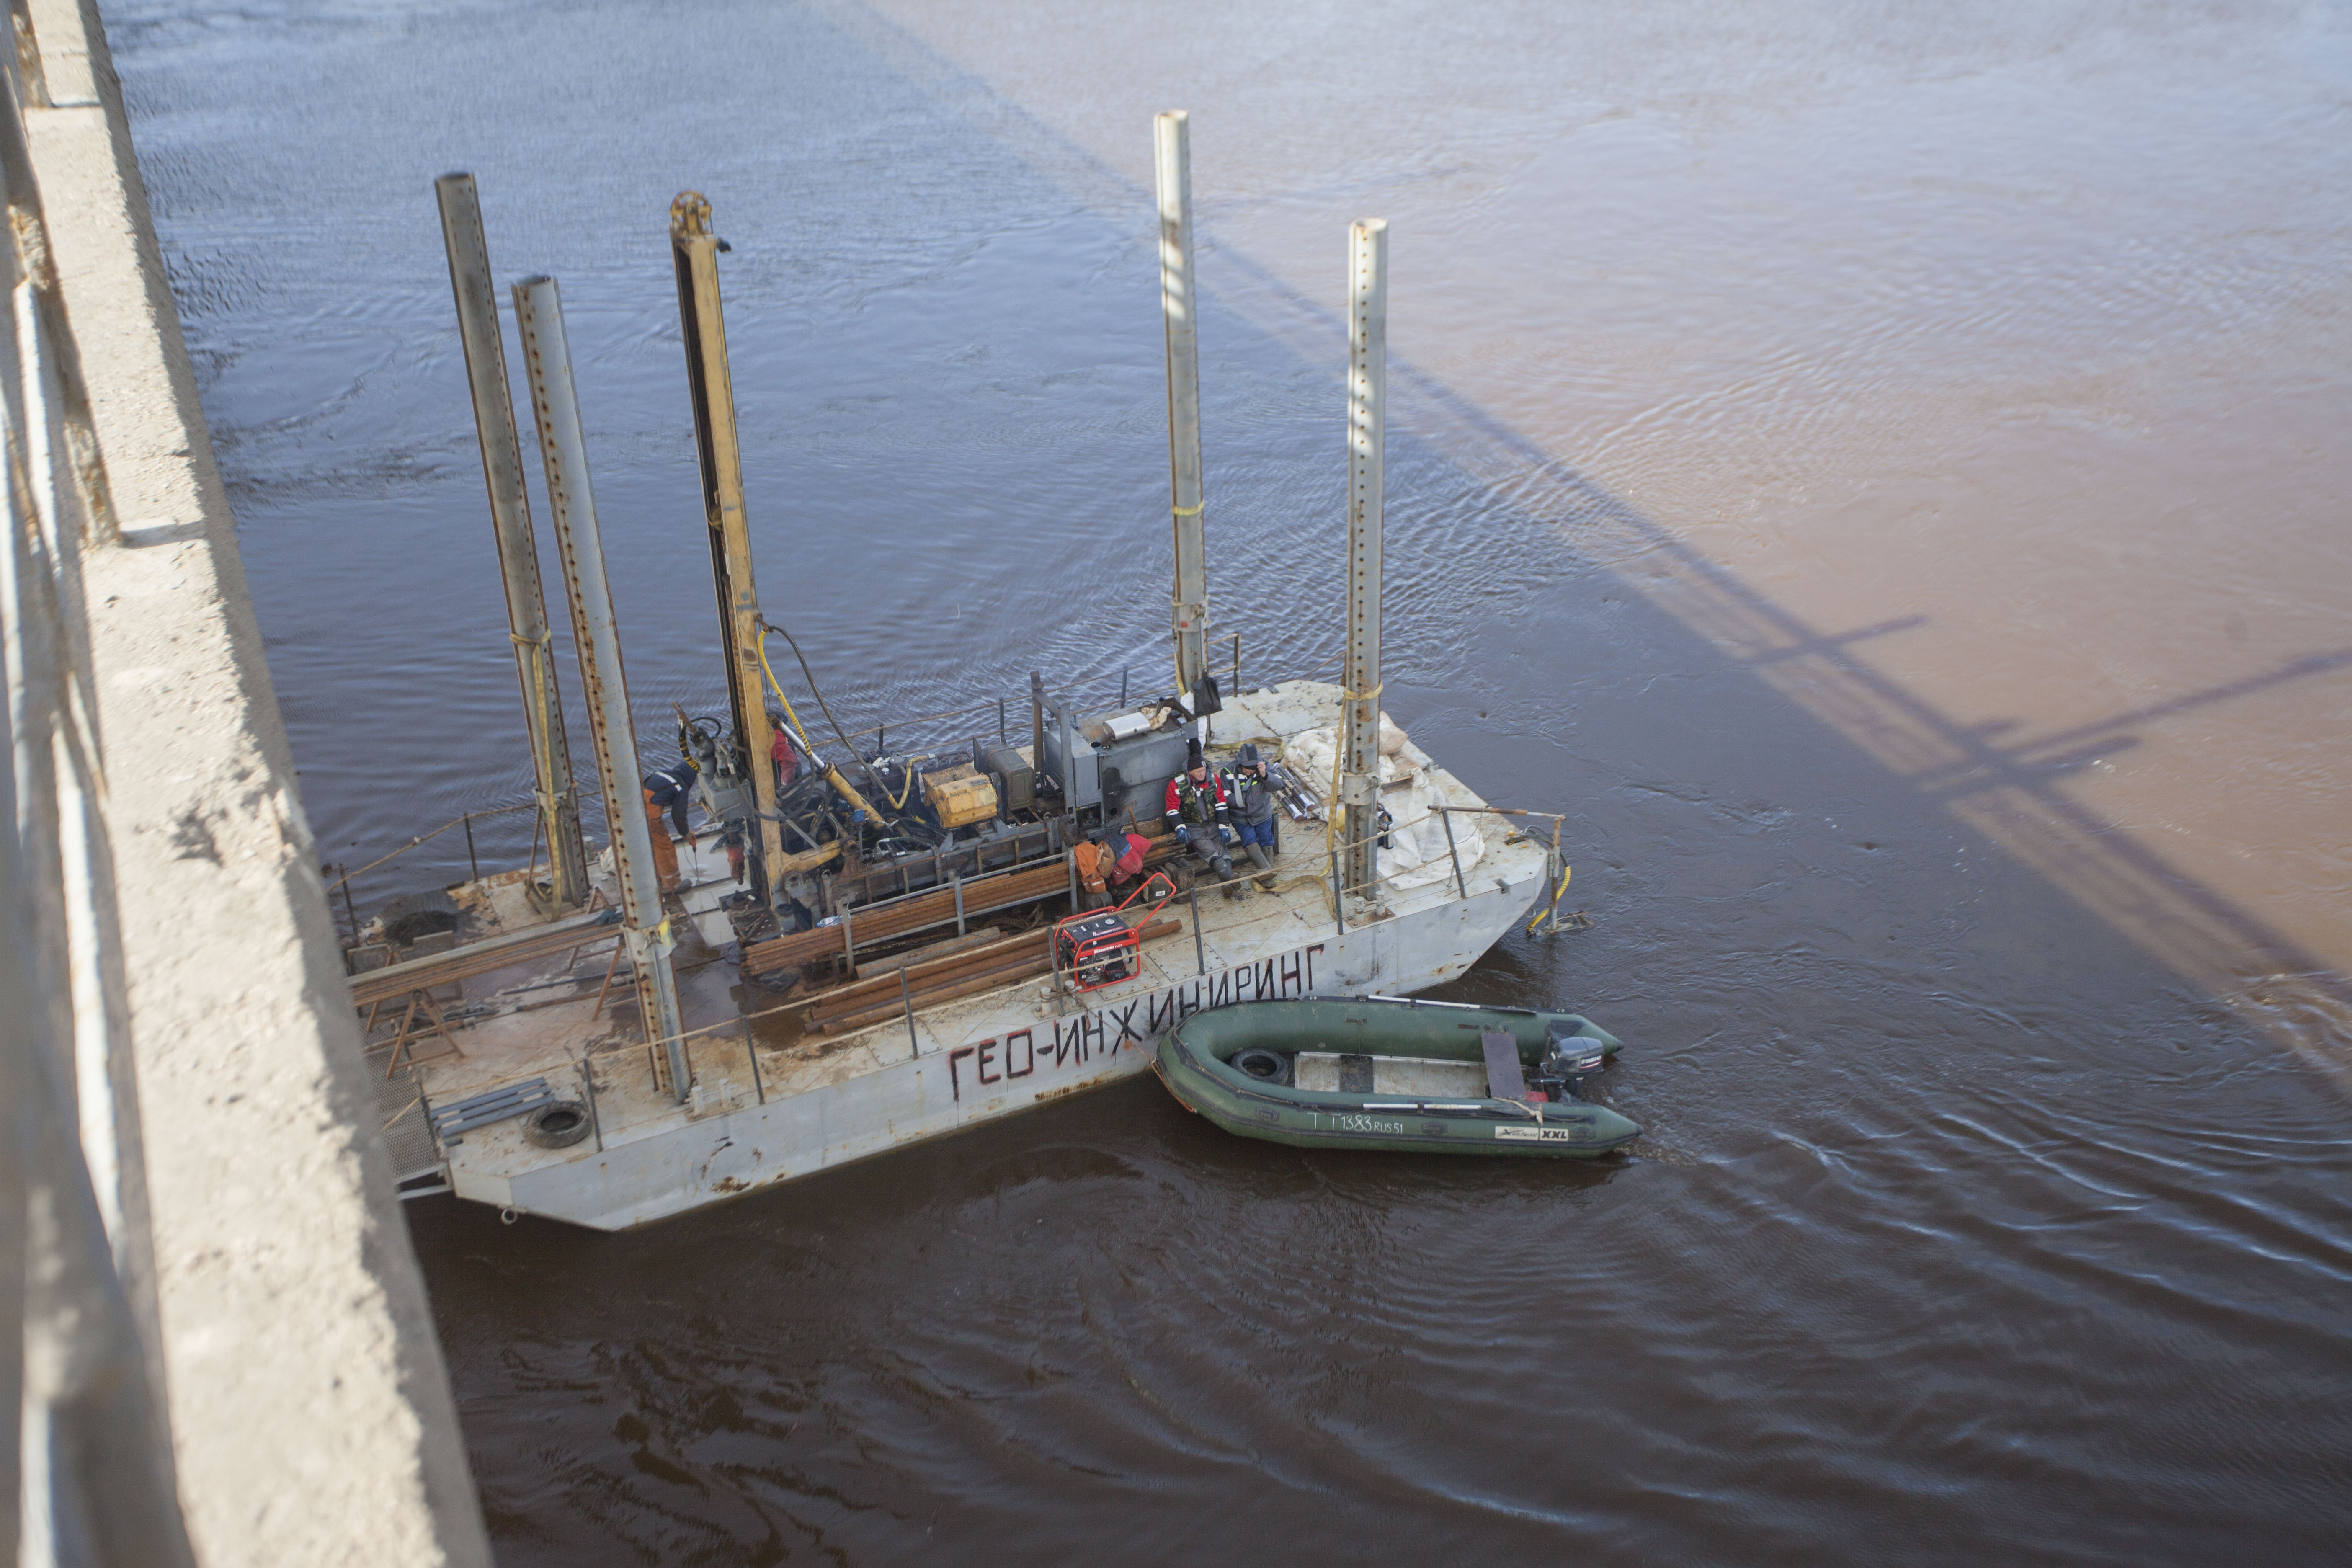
[227, 1355]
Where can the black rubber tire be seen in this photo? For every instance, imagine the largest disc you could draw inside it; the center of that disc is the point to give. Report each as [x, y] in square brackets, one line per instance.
[1264, 1066]
[557, 1125]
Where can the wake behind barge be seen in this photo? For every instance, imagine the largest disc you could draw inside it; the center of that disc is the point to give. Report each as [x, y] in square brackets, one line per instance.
[860, 951]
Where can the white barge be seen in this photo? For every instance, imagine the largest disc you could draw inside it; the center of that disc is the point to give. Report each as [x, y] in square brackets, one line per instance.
[771, 1101]
[609, 1042]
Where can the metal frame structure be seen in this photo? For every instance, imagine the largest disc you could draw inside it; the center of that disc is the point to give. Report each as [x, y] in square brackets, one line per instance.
[1179, 297]
[527, 624]
[563, 451]
[1360, 741]
[694, 251]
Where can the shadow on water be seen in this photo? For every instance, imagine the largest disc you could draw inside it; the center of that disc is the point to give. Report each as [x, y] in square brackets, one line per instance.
[1981, 1216]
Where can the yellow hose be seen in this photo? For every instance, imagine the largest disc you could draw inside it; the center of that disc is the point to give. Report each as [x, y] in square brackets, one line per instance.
[1564, 873]
[777, 687]
[831, 774]
[908, 787]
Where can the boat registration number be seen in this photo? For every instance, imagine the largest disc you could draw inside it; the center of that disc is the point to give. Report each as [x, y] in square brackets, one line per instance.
[1546, 1134]
[1367, 1125]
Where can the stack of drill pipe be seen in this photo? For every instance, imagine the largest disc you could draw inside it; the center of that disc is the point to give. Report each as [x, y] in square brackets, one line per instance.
[889, 878]
[881, 993]
[980, 936]
[981, 895]
[872, 1002]
[879, 924]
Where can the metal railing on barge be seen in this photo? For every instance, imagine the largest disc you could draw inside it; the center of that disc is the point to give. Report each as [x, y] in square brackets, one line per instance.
[712, 1082]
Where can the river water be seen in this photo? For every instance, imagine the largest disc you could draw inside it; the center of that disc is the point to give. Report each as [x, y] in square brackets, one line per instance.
[1878, 469]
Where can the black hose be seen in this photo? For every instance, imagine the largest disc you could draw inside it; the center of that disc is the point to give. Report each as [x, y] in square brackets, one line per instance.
[809, 676]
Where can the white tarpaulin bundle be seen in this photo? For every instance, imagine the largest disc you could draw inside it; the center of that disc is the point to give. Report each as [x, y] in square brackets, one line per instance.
[1415, 855]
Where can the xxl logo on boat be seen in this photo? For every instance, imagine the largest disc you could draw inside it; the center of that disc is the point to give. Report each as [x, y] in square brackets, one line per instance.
[1061, 1043]
[1546, 1134]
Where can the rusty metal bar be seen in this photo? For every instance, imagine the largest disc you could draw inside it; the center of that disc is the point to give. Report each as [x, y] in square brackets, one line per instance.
[1054, 957]
[901, 916]
[1036, 724]
[694, 251]
[948, 987]
[1554, 875]
[1552, 816]
[595, 1123]
[527, 624]
[563, 451]
[752, 1052]
[475, 958]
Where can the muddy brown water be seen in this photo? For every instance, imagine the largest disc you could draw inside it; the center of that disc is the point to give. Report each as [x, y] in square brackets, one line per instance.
[1883, 476]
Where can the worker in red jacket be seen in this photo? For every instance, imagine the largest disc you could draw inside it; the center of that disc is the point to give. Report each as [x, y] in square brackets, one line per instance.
[1199, 814]
[780, 752]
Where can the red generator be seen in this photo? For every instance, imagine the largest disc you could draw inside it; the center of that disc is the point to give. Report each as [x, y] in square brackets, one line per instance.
[1096, 949]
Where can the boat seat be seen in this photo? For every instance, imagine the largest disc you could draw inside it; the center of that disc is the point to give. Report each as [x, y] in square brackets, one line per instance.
[1352, 1073]
[1504, 1080]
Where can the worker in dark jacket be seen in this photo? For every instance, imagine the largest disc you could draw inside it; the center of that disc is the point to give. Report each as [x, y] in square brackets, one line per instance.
[1198, 815]
[669, 792]
[1251, 794]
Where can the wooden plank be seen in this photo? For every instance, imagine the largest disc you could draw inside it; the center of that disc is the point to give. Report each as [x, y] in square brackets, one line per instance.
[1504, 1079]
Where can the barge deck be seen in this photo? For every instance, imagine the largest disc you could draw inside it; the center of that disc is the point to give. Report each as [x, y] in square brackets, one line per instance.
[769, 1100]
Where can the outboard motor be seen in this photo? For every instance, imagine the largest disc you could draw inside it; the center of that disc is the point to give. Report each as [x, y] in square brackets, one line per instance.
[1568, 1057]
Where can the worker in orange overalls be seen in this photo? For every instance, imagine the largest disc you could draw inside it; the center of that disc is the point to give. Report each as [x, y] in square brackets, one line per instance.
[668, 792]
[1094, 860]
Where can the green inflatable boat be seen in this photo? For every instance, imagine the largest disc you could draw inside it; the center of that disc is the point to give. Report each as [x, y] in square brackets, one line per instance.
[1393, 1073]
